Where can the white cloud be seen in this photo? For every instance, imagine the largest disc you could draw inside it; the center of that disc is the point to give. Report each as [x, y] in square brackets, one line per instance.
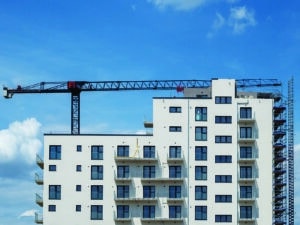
[183, 5]
[240, 18]
[20, 140]
[28, 213]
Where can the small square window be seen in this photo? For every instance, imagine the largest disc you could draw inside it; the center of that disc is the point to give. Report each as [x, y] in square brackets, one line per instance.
[78, 208]
[52, 208]
[52, 167]
[78, 148]
[78, 168]
[78, 187]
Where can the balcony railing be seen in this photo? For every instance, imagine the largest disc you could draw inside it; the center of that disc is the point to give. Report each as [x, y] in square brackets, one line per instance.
[134, 198]
[122, 218]
[39, 200]
[39, 161]
[38, 218]
[247, 120]
[136, 159]
[178, 159]
[39, 179]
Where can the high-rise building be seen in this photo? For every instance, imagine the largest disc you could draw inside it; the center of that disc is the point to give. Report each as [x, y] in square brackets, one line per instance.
[215, 155]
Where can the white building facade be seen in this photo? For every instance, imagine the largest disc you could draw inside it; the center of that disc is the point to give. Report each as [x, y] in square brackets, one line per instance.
[207, 160]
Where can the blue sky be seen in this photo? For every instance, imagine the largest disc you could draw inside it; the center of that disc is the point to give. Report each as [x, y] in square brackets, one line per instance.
[93, 40]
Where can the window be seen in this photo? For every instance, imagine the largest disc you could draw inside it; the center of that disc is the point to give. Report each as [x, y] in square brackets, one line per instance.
[174, 191]
[174, 211]
[201, 113]
[223, 218]
[55, 152]
[78, 208]
[96, 212]
[96, 192]
[223, 119]
[52, 167]
[175, 128]
[201, 133]
[175, 152]
[174, 171]
[78, 148]
[223, 179]
[246, 152]
[52, 208]
[201, 172]
[123, 151]
[245, 112]
[175, 109]
[149, 172]
[245, 172]
[200, 212]
[201, 153]
[97, 172]
[245, 212]
[200, 192]
[78, 187]
[245, 191]
[223, 198]
[149, 151]
[223, 139]
[245, 132]
[123, 191]
[55, 192]
[148, 211]
[223, 159]
[97, 152]
[78, 168]
[149, 191]
[123, 211]
[123, 171]
[223, 100]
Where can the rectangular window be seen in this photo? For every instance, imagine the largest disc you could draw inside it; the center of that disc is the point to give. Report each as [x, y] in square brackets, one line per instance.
[123, 191]
[148, 211]
[96, 192]
[246, 172]
[123, 211]
[246, 152]
[245, 112]
[223, 198]
[78, 168]
[245, 132]
[174, 211]
[201, 133]
[175, 128]
[245, 212]
[52, 168]
[123, 151]
[245, 191]
[78, 148]
[149, 191]
[175, 191]
[200, 192]
[201, 113]
[223, 159]
[78, 208]
[55, 152]
[201, 173]
[174, 171]
[52, 208]
[223, 100]
[78, 187]
[175, 109]
[223, 179]
[200, 212]
[201, 153]
[175, 152]
[149, 172]
[97, 172]
[223, 218]
[55, 192]
[97, 152]
[149, 151]
[223, 119]
[223, 139]
[123, 171]
[96, 212]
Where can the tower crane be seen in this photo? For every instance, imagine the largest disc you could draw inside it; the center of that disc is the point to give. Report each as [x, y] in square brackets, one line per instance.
[76, 87]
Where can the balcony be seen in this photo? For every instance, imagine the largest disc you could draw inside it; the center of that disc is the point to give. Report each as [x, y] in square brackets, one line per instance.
[175, 200]
[246, 139]
[123, 179]
[163, 220]
[247, 120]
[162, 179]
[39, 179]
[136, 159]
[132, 198]
[247, 221]
[247, 159]
[247, 198]
[39, 200]
[38, 218]
[124, 218]
[177, 159]
[39, 162]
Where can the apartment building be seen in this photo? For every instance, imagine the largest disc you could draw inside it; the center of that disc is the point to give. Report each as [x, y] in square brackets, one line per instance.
[209, 157]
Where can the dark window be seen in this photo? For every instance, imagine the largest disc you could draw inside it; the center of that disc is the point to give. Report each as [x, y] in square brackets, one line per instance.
[55, 152]
[52, 167]
[200, 192]
[148, 211]
[123, 191]
[245, 212]
[223, 198]
[223, 159]
[78, 187]
[123, 211]
[52, 208]
[123, 171]
[149, 191]
[245, 132]
[78, 168]
[223, 119]
[174, 171]
[201, 113]
[246, 172]
[149, 151]
[245, 191]
[246, 152]
[201, 153]
[78, 148]
[201, 133]
[97, 152]
[149, 172]
[174, 211]
[97, 192]
[123, 151]
[245, 112]
[97, 172]
[200, 212]
[223, 139]
[175, 128]
[175, 109]
[201, 173]
[223, 218]
[96, 212]
[223, 100]
[223, 178]
[175, 152]
[78, 208]
[55, 192]
[174, 191]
